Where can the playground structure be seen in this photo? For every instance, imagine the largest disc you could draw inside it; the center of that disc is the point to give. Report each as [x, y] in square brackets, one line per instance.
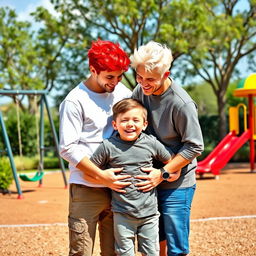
[233, 141]
[39, 174]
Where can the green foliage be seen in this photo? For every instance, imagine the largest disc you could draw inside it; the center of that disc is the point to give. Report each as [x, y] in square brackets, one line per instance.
[61, 48]
[19, 62]
[33, 59]
[130, 24]
[31, 163]
[203, 95]
[183, 26]
[209, 38]
[51, 163]
[242, 155]
[199, 93]
[209, 126]
[6, 176]
[29, 133]
[26, 163]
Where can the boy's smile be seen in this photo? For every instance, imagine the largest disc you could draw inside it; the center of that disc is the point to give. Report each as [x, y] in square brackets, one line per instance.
[130, 124]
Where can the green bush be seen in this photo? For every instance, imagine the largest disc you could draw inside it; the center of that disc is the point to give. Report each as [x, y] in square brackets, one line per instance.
[31, 163]
[209, 125]
[242, 155]
[205, 153]
[28, 131]
[26, 163]
[6, 176]
[51, 163]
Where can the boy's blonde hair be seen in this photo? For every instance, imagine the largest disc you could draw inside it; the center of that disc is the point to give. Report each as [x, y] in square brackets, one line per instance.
[127, 104]
[152, 56]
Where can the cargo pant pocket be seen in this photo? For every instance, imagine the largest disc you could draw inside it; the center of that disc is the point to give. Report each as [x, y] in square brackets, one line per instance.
[77, 236]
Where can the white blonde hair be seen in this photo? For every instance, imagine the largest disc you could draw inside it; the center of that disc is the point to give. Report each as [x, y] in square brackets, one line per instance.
[152, 55]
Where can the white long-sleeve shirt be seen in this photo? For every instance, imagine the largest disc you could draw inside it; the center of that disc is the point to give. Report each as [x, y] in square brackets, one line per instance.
[85, 120]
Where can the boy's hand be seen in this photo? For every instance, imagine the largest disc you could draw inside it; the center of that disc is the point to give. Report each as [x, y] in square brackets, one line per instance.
[151, 180]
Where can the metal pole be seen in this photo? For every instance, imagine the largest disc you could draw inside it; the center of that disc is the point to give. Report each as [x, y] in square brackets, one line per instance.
[23, 92]
[10, 155]
[41, 139]
[251, 127]
[55, 140]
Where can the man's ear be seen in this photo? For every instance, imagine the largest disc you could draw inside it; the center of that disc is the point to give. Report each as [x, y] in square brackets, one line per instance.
[114, 125]
[93, 70]
[166, 74]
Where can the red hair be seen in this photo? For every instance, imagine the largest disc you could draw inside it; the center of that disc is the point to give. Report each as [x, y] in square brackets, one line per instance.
[107, 56]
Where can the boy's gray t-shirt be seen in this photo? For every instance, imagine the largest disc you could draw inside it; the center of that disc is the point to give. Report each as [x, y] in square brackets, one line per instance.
[132, 155]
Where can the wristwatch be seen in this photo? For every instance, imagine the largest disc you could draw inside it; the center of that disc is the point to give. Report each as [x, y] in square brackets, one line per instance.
[165, 174]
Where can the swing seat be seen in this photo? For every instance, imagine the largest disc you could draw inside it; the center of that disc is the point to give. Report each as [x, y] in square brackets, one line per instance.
[38, 176]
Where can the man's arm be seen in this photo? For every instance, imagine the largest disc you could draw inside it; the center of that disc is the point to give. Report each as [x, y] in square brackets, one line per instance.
[70, 129]
[154, 178]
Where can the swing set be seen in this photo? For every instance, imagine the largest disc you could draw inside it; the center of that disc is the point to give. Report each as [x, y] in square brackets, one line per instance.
[40, 137]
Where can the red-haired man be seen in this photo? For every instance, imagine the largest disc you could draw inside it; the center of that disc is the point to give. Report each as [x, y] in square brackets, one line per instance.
[85, 120]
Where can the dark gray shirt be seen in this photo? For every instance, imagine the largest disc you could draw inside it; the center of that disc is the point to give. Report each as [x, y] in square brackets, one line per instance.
[132, 155]
[173, 120]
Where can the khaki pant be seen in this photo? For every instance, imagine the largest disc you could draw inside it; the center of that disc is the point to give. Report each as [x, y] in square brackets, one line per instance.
[88, 207]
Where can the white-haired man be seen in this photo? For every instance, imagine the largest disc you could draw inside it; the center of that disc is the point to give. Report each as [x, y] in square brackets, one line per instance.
[173, 119]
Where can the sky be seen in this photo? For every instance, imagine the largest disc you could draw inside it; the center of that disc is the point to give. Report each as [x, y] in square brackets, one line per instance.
[24, 7]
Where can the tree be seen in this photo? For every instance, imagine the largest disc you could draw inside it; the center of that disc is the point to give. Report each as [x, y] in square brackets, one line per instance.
[134, 22]
[209, 38]
[31, 59]
[228, 36]
[199, 92]
[130, 24]
[68, 39]
[17, 55]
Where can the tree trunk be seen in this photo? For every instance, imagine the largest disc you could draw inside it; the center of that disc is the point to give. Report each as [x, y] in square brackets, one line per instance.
[223, 122]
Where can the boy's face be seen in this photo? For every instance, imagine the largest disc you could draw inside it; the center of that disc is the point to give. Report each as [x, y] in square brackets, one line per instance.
[106, 81]
[151, 82]
[130, 124]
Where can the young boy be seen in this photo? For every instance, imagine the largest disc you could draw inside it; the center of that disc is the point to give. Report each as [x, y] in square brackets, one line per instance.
[135, 212]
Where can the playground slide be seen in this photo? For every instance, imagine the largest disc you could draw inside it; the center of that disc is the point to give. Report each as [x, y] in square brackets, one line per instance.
[223, 152]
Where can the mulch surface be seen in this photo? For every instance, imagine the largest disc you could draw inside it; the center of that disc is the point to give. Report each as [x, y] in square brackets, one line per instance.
[223, 220]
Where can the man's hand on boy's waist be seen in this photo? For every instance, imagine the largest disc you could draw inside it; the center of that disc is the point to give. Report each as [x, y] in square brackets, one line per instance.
[110, 179]
[150, 180]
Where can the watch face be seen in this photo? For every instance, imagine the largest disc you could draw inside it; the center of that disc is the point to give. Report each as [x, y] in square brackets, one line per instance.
[166, 175]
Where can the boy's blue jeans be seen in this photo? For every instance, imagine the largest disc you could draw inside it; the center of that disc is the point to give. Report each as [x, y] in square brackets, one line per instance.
[174, 223]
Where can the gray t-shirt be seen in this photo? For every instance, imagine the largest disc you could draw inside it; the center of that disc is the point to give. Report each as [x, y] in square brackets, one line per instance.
[132, 155]
[173, 120]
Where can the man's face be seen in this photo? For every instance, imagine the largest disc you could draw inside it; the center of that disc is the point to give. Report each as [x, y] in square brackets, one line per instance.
[150, 82]
[106, 81]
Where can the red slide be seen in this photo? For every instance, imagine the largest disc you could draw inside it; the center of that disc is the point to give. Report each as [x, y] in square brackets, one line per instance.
[222, 153]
